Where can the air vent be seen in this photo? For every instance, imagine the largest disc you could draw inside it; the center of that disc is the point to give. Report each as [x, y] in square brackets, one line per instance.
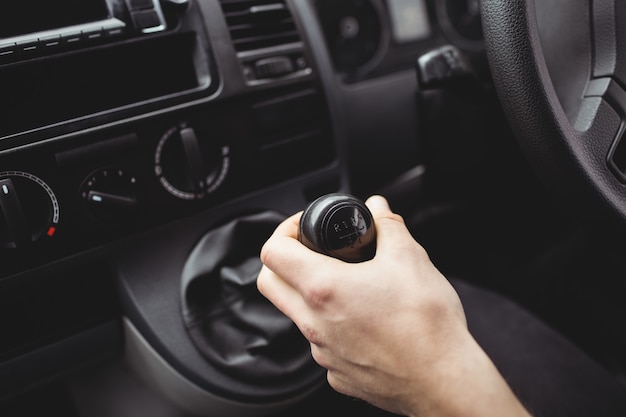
[256, 24]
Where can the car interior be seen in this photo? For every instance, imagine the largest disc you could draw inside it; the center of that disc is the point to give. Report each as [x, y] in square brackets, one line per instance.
[148, 148]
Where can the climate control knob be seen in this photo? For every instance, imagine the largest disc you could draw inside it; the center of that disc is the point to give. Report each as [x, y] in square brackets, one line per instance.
[29, 210]
[188, 164]
[110, 195]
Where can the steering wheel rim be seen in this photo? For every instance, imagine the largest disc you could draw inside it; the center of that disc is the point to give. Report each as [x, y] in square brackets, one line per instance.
[575, 159]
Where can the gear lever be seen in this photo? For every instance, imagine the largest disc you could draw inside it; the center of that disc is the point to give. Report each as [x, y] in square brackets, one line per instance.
[341, 226]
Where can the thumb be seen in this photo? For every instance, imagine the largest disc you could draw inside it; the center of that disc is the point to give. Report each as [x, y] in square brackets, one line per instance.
[391, 230]
[377, 203]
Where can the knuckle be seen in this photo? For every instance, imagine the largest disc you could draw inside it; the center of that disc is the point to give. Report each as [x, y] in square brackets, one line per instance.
[421, 254]
[317, 296]
[319, 357]
[338, 384]
[333, 381]
[267, 252]
[311, 334]
[390, 217]
[260, 282]
[438, 310]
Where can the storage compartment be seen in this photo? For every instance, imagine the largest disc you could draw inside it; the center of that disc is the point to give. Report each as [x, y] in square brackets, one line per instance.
[39, 311]
[46, 91]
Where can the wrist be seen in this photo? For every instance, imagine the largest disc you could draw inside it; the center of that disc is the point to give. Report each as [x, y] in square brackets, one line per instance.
[464, 382]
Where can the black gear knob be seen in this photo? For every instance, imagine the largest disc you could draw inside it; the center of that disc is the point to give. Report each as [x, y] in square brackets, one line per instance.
[341, 226]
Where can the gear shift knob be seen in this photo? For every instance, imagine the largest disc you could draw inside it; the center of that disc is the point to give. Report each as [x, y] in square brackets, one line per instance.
[341, 226]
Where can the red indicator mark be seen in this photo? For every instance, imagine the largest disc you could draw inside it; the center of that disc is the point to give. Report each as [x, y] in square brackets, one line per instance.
[51, 231]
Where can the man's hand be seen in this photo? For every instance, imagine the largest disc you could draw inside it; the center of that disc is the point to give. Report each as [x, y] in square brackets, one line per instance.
[390, 331]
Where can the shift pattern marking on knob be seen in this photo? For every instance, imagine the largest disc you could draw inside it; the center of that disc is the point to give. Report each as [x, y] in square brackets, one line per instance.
[341, 226]
[348, 227]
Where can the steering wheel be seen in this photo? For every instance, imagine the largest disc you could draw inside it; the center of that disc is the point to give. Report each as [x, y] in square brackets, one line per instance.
[570, 131]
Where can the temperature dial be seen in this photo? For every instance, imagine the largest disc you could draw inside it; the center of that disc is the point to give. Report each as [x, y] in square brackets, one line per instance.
[29, 210]
[188, 165]
[110, 195]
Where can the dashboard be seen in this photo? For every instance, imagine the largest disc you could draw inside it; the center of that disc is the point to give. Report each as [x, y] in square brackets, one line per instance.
[132, 130]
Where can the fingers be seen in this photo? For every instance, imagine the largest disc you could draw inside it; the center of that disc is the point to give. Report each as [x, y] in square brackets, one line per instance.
[289, 227]
[393, 237]
[278, 292]
[291, 270]
[308, 271]
[377, 204]
[293, 262]
[382, 213]
[291, 304]
[283, 253]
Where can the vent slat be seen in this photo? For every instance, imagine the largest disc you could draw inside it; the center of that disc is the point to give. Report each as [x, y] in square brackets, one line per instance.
[286, 25]
[248, 44]
[256, 24]
[256, 20]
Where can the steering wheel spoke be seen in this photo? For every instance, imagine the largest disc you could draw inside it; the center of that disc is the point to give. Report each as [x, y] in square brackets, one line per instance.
[609, 39]
[583, 161]
[615, 95]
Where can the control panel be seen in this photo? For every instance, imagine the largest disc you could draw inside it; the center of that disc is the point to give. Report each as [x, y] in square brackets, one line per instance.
[65, 196]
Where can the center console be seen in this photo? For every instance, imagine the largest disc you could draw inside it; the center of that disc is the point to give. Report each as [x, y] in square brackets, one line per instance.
[118, 118]
[138, 139]
[131, 128]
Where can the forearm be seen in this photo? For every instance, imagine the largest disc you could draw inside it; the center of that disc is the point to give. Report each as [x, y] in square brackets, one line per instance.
[466, 383]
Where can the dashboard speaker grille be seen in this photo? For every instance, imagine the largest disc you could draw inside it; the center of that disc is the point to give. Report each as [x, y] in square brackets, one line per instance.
[257, 24]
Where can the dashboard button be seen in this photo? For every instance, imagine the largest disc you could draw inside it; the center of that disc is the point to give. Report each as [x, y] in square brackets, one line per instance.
[273, 67]
[28, 47]
[8, 52]
[134, 5]
[93, 35]
[146, 19]
[50, 42]
[71, 38]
